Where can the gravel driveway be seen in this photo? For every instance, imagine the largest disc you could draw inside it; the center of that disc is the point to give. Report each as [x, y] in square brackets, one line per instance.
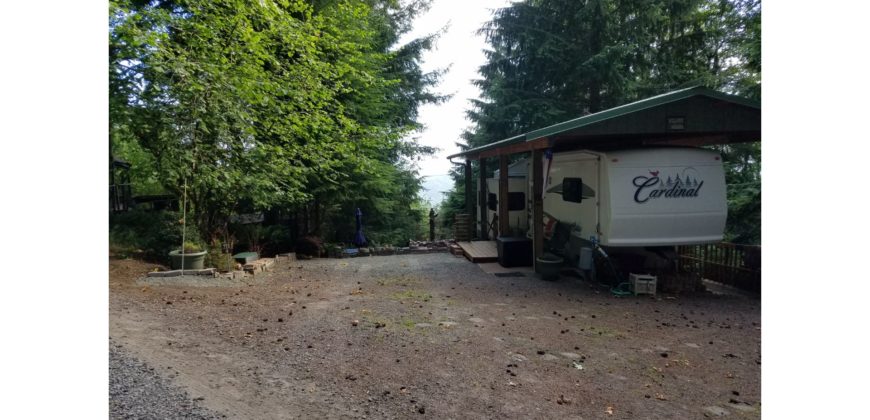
[136, 391]
[435, 336]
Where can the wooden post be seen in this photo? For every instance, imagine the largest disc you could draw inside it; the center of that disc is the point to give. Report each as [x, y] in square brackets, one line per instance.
[484, 225]
[503, 218]
[538, 204]
[469, 198]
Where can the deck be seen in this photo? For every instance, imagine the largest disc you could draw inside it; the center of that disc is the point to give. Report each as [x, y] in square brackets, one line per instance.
[479, 251]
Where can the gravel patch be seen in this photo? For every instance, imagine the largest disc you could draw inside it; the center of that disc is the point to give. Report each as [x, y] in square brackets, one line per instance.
[136, 391]
[202, 281]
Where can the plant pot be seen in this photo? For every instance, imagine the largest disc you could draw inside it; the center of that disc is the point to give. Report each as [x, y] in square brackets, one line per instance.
[549, 266]
[192, 261]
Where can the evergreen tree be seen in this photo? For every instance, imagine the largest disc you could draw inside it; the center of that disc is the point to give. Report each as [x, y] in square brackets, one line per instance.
[552, 60]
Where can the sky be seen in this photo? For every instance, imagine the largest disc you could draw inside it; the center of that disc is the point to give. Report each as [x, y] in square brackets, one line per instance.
[460, 49]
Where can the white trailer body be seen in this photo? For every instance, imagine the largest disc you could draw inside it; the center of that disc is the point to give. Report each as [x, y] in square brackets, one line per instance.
[660, 197]
[518, 198]
[633, 198]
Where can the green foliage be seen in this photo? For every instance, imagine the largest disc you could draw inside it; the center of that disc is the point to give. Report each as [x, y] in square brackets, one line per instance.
[144, 178]
[249, 236]
[454, 203]
[275, 104]
[223, 262]
[552, 60]
[155, 234]
[743, 177]
[267, 240]
[392, 213]
[191, 247]
[217, 258]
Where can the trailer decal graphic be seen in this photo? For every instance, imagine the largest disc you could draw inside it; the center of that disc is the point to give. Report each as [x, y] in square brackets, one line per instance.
[653, 186]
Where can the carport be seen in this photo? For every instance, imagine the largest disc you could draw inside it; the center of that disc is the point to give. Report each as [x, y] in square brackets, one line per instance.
[695, 116]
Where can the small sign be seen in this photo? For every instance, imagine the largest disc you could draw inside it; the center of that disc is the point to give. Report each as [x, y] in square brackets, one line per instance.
[676, 123]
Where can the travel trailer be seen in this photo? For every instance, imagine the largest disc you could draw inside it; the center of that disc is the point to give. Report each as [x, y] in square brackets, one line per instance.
[628, 201]
[518, 198]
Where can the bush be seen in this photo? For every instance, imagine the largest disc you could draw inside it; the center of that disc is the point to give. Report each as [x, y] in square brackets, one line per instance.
[276, 239]
[218, 258]
[264, 240]
[249, 237]
[311, 246]
[153, 234]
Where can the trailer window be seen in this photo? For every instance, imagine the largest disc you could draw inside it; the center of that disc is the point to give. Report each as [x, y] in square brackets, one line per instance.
[572, 190]
[492, 201]
[516, 201]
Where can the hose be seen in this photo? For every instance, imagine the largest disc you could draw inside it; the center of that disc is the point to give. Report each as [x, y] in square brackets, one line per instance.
[621, 288]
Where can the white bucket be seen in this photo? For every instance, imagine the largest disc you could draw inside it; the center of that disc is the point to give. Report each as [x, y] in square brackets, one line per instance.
[585, 262]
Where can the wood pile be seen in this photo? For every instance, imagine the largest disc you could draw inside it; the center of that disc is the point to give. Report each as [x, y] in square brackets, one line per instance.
[462, 227]
[263, 264]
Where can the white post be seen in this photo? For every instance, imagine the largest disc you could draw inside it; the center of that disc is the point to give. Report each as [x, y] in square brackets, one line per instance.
[183, 223]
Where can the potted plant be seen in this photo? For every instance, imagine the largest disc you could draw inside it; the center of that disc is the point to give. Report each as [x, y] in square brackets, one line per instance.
[192, 254]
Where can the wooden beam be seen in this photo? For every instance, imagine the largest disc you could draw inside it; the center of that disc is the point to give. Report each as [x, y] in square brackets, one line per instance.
[526, 146]
[503, 218]
[469, 197]
[706, 139]
[566, 143]
[481, 199]
[537, 204]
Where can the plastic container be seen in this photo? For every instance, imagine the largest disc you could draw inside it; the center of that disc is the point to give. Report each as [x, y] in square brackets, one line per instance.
[192, 261]
[549, 266]
[585, 262]
[642, 284]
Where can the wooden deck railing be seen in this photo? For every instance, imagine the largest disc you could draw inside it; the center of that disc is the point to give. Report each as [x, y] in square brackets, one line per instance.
[732, 264]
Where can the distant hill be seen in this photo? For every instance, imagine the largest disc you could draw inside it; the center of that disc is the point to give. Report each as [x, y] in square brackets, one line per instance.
[434, 187]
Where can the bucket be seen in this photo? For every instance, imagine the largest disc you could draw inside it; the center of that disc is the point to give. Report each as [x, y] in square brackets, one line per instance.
[549, 266]
[585, 262]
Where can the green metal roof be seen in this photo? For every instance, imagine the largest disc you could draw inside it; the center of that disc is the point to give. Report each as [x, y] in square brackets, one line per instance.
[574, 125]
[508, 141]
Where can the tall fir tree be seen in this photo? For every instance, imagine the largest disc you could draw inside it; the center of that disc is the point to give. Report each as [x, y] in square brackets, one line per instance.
[552, 60]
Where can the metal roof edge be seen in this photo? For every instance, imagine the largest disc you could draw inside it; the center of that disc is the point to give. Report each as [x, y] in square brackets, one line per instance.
[640, 105]
[503, 142]
[611, 113]
[614, 112]
[740, 100]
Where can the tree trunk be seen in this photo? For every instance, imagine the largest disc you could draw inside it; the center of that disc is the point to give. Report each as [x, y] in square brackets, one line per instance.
[317, 219]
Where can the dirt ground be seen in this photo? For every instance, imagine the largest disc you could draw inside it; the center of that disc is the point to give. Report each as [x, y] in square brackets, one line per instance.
[417, 336]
